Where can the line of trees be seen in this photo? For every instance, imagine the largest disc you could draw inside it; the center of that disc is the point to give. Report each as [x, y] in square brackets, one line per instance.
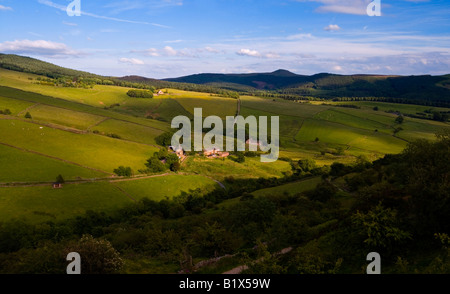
[141, 93]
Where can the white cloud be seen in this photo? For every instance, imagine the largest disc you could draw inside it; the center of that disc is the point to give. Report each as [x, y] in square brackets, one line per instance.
[63, 8]
[5, 8]
[337, 68]
[152, 52]
[134, 61]
[248, 52]
[70, 24]
[173, 41]
[271, 55]
[211, 50]
[357, 7]
[299, 37]
[38, 47]
[170, 51]
[332, 27]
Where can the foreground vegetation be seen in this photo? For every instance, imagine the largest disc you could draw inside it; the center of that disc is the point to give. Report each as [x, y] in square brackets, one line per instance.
[397, 206]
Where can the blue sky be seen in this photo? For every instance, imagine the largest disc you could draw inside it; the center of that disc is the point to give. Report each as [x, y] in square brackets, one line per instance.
[170, 38]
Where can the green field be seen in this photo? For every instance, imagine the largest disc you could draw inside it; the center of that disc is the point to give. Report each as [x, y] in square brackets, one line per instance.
[385, 106]
[221, 107]
[90, 150]
[21, 166]
[43, 203]
[129, 131]
[352, 120]
[220, 169]
[99, 96]
[289, 189]
[156, 108]
[282, 107]
[65, 117]
[158, 188]
[15, 106]
[335, 133]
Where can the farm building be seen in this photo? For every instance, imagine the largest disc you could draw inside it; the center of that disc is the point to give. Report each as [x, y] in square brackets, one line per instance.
[215, 153]
[57, 186]
[252, 142]
[178, 151]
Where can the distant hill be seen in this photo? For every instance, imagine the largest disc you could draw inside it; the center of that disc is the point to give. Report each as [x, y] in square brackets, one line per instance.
[422, 89]
[35, 66]
[329, 86]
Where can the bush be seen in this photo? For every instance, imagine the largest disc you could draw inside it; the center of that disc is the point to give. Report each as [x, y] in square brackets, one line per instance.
[140, 93]
[176, 166]
[28, 115]
[122, 171]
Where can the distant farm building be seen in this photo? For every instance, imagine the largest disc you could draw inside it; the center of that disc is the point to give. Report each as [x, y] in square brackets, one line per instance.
[178, 151]
[57, 186]
[160, 92]
[252, 142]
[215, 153]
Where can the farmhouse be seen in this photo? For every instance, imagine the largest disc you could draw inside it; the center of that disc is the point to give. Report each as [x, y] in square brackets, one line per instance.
[178, 151]
[215, 153]
[252, 142]
[57, 186]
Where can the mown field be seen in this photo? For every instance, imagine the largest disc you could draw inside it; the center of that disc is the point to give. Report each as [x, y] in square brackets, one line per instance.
[289, 189]
[21, 166]
[93, 151]
[43, 203]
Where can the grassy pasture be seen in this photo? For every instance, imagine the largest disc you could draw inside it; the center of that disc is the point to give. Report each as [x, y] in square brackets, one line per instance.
[65, 117]
[26, 97]
[221, 107]
[355, 121]
[220, 169]
[418, 129]
[158, 188]
[90, 150]
[22, 166]
[43, 203]
[129, 131]
[15, 106]
[282, 107]
[99, 96]
[289, 125]
[330, 132]
[157, 108]
[385, 106]
[290, 188]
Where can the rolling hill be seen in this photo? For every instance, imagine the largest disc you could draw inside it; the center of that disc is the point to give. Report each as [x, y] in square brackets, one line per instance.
[329, 86]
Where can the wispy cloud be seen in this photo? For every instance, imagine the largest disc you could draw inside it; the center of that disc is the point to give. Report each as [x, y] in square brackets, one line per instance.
[5, 8]
[38, 47]
[332, 27]
[71, 24]
[356, 7]
[63, 8]
[255, 53]
[133, 61]
[127, 5]
[248, 52]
